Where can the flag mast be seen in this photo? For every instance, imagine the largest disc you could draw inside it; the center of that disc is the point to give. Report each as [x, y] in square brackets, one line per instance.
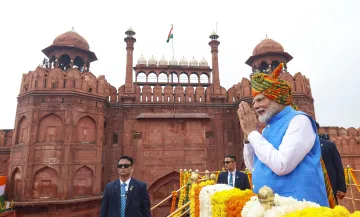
[172, 41]
[171, 37]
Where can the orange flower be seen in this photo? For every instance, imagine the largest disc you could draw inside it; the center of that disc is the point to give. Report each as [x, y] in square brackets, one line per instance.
[173, 202]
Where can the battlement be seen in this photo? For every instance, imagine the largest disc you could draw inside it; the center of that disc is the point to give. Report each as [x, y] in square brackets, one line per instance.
[5, 138]
[56, 79]
[347, 140]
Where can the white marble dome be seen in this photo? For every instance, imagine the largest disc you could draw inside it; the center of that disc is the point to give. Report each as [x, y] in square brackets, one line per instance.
[193, 62]
[152, 61]
[163, 61]
[173, 62]
[203, 62]
[141, 60]
[184, 62]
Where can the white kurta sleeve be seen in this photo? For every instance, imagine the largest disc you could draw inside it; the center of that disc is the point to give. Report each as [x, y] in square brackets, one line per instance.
[297, 142]
[248, 156]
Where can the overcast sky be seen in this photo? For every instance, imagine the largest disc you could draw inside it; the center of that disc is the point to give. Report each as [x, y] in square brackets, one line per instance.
[323, 36]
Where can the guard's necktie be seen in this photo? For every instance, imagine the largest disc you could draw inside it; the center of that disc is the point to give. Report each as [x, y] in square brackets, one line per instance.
[123, 199]
[231, 180]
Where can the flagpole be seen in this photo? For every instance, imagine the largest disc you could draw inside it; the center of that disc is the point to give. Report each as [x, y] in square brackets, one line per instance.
[172, 41]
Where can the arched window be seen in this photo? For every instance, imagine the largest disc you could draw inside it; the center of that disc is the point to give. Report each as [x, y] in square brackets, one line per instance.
[79, 64]
[264, 66]
[194, 78]
[64, 62]
[204, 78]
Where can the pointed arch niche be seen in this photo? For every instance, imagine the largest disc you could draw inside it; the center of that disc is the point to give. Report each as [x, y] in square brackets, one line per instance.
[16, 183]
[162, 188]
[22, 129]
[50, 130]
[46, 181]
[86, 130]
[83, 181]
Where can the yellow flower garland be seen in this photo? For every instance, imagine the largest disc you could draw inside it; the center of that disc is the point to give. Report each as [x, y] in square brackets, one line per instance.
[183, 181]
[221, 202]
[194, 197]
[338, 211]
[354, 179]
[355, 214]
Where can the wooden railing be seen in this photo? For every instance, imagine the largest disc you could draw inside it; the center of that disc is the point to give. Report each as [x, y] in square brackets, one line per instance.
[194, 178]
[351, 183]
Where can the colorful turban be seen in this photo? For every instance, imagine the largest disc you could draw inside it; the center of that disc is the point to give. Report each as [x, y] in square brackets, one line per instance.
[273, 88]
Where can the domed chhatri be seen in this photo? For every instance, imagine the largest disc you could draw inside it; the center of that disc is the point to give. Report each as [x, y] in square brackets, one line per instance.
[203, 62]
[142, 60]
[193, 62]
[163, 61]
[173, 62]
[184, 62]
[152, 60]
[268, 45]
[71, 39]
[267, 51]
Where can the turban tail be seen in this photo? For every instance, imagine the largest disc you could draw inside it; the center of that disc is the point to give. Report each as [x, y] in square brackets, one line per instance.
[273, 88]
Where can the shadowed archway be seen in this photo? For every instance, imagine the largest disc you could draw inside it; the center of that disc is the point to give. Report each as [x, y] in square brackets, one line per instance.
[162, 188]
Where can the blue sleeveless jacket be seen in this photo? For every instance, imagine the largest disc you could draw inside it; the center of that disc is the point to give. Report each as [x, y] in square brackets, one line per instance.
[306, 181]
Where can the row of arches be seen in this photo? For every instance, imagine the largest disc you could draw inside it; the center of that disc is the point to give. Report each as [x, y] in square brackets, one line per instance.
[51, 130]
[64, 62]
[173, 77]
[45, 182]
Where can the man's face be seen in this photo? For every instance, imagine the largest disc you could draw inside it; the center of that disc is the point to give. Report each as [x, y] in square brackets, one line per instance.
[264, 107]
[229, 163]
[125, 168]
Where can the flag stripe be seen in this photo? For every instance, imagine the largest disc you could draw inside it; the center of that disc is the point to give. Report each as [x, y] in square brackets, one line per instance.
[2, 180]
[170, 32]
[2, 190]
[171, 36]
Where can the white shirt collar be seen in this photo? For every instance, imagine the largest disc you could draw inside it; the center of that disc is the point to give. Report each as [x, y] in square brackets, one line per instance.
[127, 182]
[233, 172]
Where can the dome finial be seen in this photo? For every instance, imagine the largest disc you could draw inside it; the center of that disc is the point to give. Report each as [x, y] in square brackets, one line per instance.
[213, 36]
[130, 32]
[72, 29]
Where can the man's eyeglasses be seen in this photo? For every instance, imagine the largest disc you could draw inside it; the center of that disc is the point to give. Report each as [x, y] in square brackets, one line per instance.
[227, 162]
[124, 165]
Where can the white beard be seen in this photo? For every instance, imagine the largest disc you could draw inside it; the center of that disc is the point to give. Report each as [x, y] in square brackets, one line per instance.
[269, 112]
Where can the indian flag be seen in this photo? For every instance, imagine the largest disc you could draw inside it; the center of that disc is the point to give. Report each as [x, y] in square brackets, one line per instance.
[170, 34]
[2, 192]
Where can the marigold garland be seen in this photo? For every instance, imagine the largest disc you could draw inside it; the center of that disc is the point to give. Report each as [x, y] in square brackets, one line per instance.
[346, 173]
[338, 211]
[235, 204]
[182, 194]
[355, 214]
[217, 175]
[173, 201]
[229, 203]
[194, 197]
[354, 179]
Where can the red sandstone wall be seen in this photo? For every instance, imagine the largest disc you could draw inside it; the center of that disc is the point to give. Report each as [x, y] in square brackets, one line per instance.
[9, 214]
[5, 143]
[347, 142]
